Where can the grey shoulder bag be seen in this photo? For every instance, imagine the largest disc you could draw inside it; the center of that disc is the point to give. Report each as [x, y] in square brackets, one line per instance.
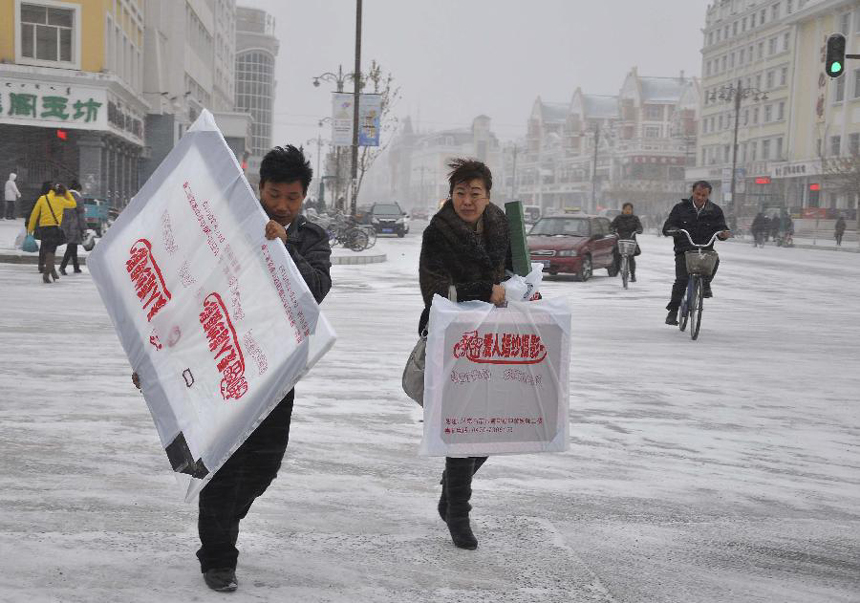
[413, 372]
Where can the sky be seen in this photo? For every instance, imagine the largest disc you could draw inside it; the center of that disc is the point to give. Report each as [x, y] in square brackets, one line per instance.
[456, 59]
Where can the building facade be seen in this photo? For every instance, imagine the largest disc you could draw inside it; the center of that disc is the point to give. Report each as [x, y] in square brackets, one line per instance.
[791, 119]
[596, 151]
[256, 51]
[71, 95]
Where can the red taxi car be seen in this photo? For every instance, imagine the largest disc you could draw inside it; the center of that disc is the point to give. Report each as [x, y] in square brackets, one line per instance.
[576, 244]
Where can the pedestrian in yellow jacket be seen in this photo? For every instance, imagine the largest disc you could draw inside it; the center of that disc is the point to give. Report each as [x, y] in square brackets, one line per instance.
[48, 215]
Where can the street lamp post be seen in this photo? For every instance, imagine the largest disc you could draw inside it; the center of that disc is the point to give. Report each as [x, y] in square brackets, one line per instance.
[356, 88]
[736, 93]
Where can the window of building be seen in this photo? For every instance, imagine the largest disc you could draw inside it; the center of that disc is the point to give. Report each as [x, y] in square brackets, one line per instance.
[854, 143]
[726, 153]
[723, 64]
[755, 115]
[753, 147]
[783, 76]
[746, 117]
[761, 50]
[735, 28]
[857, 22]
[711, 39]
[786, 39]
[652, 131]
[769, 79]
[778, 156]
[774, 12]
[839, 94]
[254, 77]
[771, 46]
[47, 33]
[835, 143]
[857, 83]
[844, 23]
[720, 122]
[762, 15]
[765, 150]
[732, 61]
[758, 81]
[752, 20]
[768, 114]
[744, 24]
[780, 113]
[789, 6]
[741, 56]
[654, 112]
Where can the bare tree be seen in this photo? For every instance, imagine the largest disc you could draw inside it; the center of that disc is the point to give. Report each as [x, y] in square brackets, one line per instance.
[383, 84]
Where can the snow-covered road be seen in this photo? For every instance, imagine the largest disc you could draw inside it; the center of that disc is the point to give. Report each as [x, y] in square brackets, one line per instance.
[726, 469]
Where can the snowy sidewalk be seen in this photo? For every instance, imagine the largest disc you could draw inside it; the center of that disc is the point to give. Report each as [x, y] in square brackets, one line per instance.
[725, 469]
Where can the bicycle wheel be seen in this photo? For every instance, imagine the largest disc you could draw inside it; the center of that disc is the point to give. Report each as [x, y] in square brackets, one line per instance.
[371, 235]
[684, 310]
[696, 309]
[625, 271]
[357, 239]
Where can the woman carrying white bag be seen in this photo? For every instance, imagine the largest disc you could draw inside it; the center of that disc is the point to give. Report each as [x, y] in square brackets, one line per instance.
[467, 246]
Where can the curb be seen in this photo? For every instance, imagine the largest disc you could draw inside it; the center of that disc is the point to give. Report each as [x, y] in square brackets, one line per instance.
[31, 259]
[807, 246]
[345, 260]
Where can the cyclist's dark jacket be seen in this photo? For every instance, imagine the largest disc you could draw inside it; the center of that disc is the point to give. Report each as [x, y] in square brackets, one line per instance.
[308, 245]
[701, 224]
[453, 254]
[626, 225]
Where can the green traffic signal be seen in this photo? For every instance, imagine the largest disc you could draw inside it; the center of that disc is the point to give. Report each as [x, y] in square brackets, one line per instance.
[835, 55]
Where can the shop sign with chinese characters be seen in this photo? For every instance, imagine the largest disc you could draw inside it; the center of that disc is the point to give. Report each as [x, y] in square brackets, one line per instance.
[48, 105]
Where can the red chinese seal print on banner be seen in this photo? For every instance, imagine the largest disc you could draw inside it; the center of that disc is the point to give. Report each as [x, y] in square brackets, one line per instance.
[147, 279]
[500, 348]
[224, 344]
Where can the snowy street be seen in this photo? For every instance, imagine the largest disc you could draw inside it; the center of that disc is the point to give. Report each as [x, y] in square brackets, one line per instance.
[721, 470]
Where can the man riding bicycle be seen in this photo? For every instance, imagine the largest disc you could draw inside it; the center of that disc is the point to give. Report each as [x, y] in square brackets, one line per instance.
[701, 218]
[626, 225]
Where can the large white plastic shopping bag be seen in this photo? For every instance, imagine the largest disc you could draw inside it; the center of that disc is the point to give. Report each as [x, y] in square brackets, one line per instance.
[215, 319]
[524, 288]
[496, 379]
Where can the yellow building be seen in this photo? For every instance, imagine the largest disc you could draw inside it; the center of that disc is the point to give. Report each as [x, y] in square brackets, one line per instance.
[825, 120]
[71, 100]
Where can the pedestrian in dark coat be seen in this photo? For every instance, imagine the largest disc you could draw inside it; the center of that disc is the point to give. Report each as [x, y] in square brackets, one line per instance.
[467, 246]
[839, 230]
[627, 225]
[701, 218]
[75, 226]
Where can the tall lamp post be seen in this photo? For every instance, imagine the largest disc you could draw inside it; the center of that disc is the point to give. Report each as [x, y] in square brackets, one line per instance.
[338, 80]
[735, 94]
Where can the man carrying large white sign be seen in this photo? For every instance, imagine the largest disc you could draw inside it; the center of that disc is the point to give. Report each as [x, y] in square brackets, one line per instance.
[214, 299]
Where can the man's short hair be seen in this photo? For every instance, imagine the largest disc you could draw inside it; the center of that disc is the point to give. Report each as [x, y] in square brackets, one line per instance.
[466, 170]
[626, 205]
[286, 164]
[703, 184]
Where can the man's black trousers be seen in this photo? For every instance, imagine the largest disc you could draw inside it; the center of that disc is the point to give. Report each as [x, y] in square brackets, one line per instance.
[681, 278]
[227, 498]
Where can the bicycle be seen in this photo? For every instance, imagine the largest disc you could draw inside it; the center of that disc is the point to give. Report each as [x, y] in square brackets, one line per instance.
[700, 264]
[626, 249]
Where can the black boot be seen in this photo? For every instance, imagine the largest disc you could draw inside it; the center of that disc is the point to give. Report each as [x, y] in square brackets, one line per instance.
[222, 579]
[458, 483]
[672, 317]
[442, 507]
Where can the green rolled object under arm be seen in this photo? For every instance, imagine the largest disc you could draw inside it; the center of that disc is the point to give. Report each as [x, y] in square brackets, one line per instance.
[519, 243]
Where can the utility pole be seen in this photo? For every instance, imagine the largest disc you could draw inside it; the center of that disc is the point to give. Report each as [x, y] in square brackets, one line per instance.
[733, 215]
[356, 80]
[593, 207]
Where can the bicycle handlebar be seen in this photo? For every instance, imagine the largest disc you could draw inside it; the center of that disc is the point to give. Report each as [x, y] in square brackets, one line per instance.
[674, 231]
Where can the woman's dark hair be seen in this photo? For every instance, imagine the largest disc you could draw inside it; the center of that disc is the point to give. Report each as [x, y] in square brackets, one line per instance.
[626, 205]
[703, 184]
[75, 185]
[47, 185]
[60, 189]
[465, 170]
[286, 164]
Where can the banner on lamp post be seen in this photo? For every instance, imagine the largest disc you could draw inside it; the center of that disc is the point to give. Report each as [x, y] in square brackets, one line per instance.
[369, 119]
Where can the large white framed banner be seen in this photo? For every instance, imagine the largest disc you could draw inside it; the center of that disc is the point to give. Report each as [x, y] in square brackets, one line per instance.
[496, 380]
[215, 319]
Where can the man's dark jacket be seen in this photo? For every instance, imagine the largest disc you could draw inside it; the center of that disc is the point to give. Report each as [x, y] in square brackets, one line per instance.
[626, 225]
[701, 224]
[308, 245]
[451, 254]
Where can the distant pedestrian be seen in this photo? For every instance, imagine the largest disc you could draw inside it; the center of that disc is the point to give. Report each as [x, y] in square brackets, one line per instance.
[626, 225]
[774, 227]
[840, 230]
[75, 226]
[48, 216]
[11, 195]
[759, 228]
[46, 188]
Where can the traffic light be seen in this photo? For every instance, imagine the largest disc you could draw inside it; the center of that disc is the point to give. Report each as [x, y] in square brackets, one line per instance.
[834, 63]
